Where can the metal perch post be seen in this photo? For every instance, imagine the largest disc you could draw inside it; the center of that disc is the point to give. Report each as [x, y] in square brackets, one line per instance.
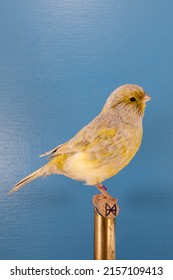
[105, 211]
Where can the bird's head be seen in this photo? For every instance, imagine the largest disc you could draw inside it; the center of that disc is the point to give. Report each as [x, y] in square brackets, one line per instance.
[128, 101]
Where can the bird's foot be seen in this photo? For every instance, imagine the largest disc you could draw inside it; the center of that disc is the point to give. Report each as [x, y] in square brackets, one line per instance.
[103, 190]
[105, 204]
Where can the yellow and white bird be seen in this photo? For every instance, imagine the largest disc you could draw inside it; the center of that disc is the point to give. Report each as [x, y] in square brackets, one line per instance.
[104, 146]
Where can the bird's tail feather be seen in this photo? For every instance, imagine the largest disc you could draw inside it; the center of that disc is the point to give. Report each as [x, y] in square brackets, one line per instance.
[43, 171]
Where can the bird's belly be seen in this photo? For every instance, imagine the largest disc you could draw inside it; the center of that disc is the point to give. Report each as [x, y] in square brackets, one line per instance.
[82, 168]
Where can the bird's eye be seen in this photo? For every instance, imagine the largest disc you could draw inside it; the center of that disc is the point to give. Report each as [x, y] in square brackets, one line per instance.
[132, 99]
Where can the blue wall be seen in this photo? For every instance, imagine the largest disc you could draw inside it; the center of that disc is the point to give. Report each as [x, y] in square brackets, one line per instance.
[59, 61]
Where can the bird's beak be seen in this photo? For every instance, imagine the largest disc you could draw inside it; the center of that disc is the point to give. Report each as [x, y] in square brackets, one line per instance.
[146, 97]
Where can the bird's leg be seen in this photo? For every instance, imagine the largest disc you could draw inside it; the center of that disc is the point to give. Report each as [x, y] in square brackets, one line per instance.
[102, 189]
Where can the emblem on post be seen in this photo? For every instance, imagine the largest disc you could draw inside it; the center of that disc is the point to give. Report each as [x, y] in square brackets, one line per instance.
[106, 206]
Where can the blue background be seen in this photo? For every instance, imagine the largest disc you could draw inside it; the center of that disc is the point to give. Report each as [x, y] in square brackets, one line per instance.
[59, 61]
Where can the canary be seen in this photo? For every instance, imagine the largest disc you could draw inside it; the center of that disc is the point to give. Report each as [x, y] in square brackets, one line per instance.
[104, 146]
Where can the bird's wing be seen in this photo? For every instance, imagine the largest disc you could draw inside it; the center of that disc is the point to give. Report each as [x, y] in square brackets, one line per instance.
[53, 151]
[81, 140]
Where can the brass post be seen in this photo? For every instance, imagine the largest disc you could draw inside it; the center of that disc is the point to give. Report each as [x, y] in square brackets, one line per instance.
[104, 237]
[104, 228]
